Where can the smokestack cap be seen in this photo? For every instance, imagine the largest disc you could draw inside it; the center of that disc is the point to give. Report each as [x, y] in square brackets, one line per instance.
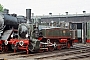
[84, 11]
[50, 13]
[66, 13]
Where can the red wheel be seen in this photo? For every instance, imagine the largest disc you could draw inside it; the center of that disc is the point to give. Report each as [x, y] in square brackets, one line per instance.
[3, 50]
[6, 48]
[59, 47]
[14, 50]
[41, 51]
[50, 48]
[46, 50]
[27, 51]
[68, 45]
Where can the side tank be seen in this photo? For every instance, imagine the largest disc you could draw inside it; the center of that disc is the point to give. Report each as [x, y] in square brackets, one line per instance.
[56, 32]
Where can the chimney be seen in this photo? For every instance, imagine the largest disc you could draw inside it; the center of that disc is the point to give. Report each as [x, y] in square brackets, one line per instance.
[32, 14]
[50, 14]
[28, 15]
[66, 13]
[84, 12]
[6, 11]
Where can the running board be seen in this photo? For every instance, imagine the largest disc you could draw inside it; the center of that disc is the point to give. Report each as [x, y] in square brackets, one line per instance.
[6, 34]
[43, 48]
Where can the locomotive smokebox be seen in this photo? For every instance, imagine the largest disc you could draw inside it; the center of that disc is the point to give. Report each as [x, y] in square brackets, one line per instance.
[28, 15]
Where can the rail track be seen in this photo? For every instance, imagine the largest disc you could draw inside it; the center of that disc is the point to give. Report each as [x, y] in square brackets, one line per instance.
[65, 54]
[76, 52]
[55, 51]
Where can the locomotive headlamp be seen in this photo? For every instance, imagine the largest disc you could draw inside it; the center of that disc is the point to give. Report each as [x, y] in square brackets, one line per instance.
[6, 42]
[12, 36]
[52, 22]
[26, 35]
[21, 43]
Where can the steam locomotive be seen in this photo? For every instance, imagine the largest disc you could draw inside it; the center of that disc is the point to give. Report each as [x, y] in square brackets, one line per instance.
[8, 22]
[31, 37]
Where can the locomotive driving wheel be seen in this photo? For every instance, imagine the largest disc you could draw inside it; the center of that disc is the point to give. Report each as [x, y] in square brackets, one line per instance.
[27, 51]
[59, 47]
[68, 45]
[4, 48]
[14, 47]
[41, 50]
[50, 48]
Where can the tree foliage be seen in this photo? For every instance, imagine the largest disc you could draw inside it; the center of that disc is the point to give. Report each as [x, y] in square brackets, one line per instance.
[1, 7]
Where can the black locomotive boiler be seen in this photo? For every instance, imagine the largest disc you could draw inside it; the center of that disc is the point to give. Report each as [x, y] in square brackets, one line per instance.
[8, 22]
